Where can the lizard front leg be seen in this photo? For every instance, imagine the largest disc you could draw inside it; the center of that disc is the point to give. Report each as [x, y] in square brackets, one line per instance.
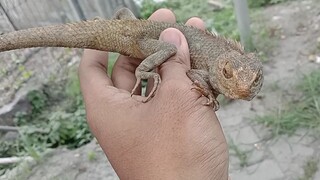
[157, 52]
[200, 79]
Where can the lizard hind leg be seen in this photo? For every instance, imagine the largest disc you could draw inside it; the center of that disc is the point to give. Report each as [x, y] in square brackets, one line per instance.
[124, 13]
[157, 52]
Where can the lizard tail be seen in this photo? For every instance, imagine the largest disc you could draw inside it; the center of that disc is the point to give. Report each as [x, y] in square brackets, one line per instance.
[86, 34]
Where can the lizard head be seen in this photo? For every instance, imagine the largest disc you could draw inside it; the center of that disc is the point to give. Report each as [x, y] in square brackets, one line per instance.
[237, 75]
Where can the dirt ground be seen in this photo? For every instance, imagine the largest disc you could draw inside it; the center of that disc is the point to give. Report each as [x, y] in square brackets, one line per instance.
[298, 25]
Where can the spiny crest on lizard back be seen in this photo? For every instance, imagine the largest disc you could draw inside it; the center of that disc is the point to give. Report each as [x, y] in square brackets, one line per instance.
[232, 43]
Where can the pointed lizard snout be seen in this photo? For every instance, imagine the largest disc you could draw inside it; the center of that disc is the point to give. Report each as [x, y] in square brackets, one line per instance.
[245, 93]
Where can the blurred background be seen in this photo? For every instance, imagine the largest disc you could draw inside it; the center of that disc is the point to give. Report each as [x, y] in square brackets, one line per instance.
[43, 131]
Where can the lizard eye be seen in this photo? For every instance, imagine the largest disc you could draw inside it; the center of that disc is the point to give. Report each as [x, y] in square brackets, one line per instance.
[227, 71]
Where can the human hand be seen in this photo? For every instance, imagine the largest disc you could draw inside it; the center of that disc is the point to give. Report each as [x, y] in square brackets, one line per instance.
[173, 136]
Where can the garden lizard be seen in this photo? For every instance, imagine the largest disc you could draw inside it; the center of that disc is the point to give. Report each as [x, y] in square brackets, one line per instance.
[218, 65]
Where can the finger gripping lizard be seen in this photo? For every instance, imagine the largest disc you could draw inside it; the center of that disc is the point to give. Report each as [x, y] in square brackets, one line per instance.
[218, 65]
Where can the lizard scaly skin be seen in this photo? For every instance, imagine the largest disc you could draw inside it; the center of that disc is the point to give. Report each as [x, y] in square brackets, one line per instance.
[218, 65]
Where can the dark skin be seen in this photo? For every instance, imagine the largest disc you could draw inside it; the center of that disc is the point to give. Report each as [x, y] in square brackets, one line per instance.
[173, 136]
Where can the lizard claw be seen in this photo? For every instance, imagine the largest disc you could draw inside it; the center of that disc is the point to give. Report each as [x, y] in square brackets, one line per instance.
[212, 101]
[135, 86]
[157, 81]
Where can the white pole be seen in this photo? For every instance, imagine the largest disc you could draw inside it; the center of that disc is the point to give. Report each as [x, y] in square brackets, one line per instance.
[243, 21]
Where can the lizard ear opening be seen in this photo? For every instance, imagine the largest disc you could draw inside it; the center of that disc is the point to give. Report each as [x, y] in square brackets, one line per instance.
[258, 78]
[227, 71]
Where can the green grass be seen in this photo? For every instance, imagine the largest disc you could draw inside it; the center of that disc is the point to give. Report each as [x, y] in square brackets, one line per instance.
[92, 156]
[265, 36]
[224, 21]
[310, 168]
[239, 153]
[295, 115]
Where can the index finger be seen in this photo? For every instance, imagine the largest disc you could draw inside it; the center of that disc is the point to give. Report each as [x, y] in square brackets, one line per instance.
[92, 73]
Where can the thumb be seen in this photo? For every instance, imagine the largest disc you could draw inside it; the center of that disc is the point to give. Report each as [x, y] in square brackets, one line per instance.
[177, 66]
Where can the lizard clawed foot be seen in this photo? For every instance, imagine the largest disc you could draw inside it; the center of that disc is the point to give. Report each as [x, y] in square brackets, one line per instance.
[212, 101]
[138, 82]
[215, 104]
[157, 81]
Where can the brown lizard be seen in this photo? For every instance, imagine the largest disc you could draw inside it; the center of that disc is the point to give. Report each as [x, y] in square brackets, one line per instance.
[218, 65]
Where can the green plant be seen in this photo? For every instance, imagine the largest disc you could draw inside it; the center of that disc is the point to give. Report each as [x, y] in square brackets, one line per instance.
[92, 156]
[57, 117]
[7, 149]
[38, 100]
[310, 168]
[264, 42]
[3, 72]
[54, 127]
[149, 6]
[240, 154]
[302, 114]
[72, 91]
[69, 129]
[265, 35]
[223, 21]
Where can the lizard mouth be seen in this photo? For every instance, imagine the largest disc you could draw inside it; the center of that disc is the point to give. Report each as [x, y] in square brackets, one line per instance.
[249, 97]
[242, 93]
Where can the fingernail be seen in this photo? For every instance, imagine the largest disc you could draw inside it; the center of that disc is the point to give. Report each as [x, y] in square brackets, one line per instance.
[171, 36]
